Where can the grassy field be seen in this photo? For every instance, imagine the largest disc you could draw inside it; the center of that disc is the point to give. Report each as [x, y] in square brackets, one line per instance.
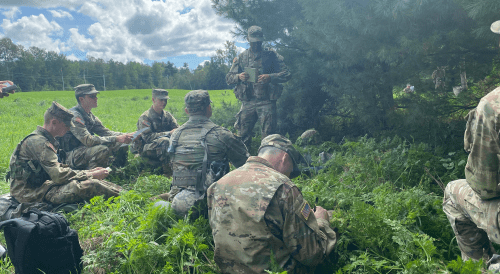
[119, 110]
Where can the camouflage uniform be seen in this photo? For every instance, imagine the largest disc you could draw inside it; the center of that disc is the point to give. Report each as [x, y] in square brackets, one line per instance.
[156, 141]
[472, 205]
[37, 176]
[188, 152]
[254, 210]
[89, 143]
[258, 99]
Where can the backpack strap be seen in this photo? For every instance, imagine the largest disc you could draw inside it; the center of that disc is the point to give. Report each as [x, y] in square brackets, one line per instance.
[200, 186]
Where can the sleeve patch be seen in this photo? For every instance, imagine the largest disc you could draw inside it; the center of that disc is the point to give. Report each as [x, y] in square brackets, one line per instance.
[49, 145]
[146, 123]
[79, 120]
[306, 210]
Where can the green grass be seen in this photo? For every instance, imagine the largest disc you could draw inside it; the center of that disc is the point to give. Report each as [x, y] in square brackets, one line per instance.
[119, 110]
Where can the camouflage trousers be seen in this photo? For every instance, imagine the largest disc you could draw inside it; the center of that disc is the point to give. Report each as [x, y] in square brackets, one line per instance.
[84, 158]
[184, 199]
[156, 150]
[474, 221]
[81, 191]
[250, 113]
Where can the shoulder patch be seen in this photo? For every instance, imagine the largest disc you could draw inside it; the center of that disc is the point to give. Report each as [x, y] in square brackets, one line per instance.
[306, 210]
[146, 123]
[79, 120]
[49, 145]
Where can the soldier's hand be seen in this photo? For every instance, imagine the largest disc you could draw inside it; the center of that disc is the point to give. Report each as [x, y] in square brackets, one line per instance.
[243, 76]
[321, 213]
[264, 78]
[125, 138]
[99, 173]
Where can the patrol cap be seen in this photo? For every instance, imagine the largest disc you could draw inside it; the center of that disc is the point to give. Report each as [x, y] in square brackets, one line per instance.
[85, 89]
[495, 27]
[61, 113]
[160, 93]
[196, 100]
[281, 142]
[255, 34]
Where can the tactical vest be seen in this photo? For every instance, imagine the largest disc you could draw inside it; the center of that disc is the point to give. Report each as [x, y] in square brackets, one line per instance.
[195, 148]
[69, 142]
[29, 171]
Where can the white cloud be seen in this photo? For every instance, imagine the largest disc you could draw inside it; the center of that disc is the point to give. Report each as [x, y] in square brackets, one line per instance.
[72, 57]
[61, 14]
[204, 63]
[11, 13]
[134, 30]
[34, 31]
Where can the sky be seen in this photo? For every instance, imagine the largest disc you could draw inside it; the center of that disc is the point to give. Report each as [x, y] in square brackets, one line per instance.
[179, 31]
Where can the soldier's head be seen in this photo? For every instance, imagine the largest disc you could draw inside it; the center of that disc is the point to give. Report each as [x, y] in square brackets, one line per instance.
[255, 38]
[280, 153]
[57, 119]
[198, 103]
[160, 99]
[86, 95]
[495, 27]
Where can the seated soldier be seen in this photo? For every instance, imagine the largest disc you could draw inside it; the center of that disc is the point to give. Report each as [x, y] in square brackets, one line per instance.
[89, 144]
[255, 210]
[472, 204]
[160, 123]
[36, 176]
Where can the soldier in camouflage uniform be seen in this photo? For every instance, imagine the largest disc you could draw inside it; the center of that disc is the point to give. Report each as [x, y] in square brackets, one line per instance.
[472, 205]
[255, 210]
[89, 144]
[258, 98]
[155, 141]
[196, 147]
[36, 176]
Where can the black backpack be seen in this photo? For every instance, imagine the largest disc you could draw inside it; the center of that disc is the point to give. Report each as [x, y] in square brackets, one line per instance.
[42, 241]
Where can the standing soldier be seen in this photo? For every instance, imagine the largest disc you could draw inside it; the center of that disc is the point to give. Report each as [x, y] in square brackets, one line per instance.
[160, 123]
[472, 204]
[257, 74]
[89, 144]
[36, 175]
[199, 147]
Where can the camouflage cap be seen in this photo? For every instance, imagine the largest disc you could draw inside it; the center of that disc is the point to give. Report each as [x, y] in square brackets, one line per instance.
[495, 27]
[255, 34]
[196, 100]
[281, 142]
[160, 93]
[85, 89]
[62, 113]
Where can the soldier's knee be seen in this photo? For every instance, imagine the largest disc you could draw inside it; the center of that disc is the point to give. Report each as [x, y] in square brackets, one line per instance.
[182, 202]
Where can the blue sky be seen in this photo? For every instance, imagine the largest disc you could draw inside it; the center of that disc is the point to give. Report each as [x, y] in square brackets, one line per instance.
[145, 31]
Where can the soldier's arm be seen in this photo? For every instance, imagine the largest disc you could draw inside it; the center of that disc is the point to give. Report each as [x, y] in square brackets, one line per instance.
[283, 74]
[43, 151]
[80, 131]
[144, 122]
[232, 75]
[236, 150]
[292, 219]
[103, 131]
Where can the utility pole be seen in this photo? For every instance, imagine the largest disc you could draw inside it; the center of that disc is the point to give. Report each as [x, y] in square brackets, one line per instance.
[104, 77]
[84, 76]
[62, 77]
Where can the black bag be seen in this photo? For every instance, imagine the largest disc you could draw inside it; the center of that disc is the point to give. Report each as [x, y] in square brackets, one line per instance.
[42, 241]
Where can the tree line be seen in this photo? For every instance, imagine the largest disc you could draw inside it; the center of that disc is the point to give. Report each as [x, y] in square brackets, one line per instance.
[35, 69]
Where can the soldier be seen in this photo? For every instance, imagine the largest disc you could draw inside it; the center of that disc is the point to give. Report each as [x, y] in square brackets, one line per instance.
[36, 175]
[472, 204]
[201, 152]
[257, 74]
[255, 210]
[155, 141]
[89, 144]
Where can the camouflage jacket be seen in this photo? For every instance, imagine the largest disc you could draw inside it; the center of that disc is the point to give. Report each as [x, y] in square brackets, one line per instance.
[88, 131]
[160, 124]
[222, 145]
[482, 141]
[265, 62]
[38, 151]
[255, 209]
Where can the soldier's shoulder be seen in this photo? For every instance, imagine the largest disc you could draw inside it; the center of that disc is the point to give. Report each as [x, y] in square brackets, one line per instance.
[35, 140]
[144, 114]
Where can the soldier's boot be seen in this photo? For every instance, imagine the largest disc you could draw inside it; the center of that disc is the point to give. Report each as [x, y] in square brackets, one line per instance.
[120, 157]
